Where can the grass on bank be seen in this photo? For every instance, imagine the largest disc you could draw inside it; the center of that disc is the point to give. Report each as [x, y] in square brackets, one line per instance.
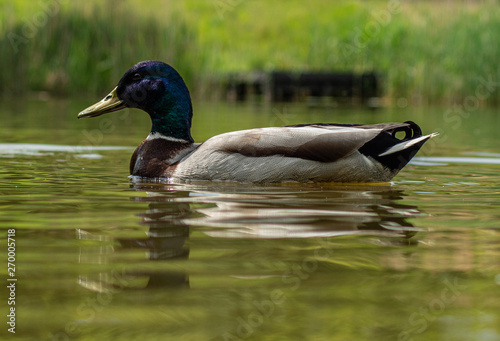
[86, 51]
[427, 51]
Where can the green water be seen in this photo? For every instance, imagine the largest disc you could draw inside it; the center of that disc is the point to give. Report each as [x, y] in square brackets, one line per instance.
[101, 257]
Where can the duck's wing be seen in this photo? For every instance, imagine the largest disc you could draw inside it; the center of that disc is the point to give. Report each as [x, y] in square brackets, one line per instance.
[316, 142]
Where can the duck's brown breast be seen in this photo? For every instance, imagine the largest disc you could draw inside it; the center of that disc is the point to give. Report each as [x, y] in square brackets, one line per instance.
[158, 157]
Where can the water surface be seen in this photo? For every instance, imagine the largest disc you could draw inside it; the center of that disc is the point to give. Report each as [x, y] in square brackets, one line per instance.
[101, 256]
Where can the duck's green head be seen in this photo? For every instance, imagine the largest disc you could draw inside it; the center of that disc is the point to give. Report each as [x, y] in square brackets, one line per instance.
[156, 88]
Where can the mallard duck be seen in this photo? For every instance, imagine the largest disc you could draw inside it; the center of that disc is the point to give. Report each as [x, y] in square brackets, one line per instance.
[300, 153]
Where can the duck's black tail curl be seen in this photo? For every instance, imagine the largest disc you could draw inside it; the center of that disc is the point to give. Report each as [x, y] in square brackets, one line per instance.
[412, 131]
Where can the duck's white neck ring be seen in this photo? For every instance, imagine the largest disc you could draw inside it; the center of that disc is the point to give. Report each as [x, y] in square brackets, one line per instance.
[157, 135]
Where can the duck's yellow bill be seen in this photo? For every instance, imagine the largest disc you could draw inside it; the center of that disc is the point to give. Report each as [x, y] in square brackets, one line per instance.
[109, 103]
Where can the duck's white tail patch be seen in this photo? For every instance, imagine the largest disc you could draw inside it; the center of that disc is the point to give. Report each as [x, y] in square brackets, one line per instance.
[407, 144]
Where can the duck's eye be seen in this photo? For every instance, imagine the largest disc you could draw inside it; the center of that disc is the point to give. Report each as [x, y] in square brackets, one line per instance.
[136, 76]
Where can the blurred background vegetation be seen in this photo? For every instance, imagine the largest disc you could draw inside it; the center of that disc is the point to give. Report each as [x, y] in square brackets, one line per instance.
[427, 51]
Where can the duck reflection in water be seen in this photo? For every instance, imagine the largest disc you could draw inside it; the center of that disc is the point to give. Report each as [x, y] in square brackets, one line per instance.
[164, 241]
[224, 210]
